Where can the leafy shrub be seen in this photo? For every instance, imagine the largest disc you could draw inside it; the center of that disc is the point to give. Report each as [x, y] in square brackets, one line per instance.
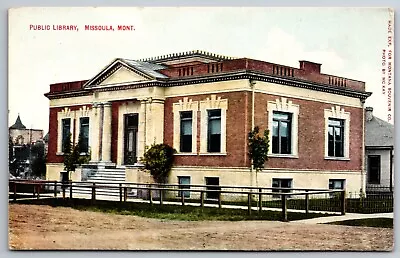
[258, 148]
[158, 160]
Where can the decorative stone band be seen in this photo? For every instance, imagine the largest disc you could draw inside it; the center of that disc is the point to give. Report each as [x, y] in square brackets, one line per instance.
[219, 77]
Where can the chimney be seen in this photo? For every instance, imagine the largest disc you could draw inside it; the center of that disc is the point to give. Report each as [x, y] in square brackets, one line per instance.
[368, 113]
[310, 67]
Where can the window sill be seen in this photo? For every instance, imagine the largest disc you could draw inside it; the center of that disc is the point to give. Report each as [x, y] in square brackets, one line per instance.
[289, 156]
[337, 158]
[213, 154]
[185, 154]
[81, 154]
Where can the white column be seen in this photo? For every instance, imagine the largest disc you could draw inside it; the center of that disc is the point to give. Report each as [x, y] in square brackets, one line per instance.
[142, 129]
[95, 133]
[157, 113]
[106, 137]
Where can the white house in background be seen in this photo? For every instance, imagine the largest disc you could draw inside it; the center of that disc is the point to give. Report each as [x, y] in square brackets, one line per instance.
[379, 144]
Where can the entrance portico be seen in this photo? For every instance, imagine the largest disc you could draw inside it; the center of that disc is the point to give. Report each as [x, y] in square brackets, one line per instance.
[139, 124]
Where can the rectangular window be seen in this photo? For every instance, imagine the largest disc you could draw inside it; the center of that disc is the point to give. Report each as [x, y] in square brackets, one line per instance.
[212, 184]
[336, 184]
[186, 131]
[84, 134]
[184, 183]
[66, 131]
[281, 183]
[374, 169]
[335, 137]
[281, 133]
[214, 131]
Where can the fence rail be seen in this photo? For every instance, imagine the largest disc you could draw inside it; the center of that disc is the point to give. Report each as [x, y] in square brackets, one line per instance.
[252, 198]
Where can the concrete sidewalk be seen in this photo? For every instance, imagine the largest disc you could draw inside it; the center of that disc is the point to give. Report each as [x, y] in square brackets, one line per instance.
[348, 216]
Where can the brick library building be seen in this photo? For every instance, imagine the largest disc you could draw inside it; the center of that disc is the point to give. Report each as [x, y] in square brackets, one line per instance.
[204, 105]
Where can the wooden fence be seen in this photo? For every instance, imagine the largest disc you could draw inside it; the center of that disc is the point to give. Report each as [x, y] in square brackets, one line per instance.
[255, 195]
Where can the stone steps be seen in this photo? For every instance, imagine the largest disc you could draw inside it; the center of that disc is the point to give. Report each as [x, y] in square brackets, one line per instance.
[104, 176]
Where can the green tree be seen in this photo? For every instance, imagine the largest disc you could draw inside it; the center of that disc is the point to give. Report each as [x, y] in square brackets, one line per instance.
[38, 164]
[12, 164]
[72, 155]
[69, 162]
[158, 160]
[10, 149]
[258, 148]
[83, 152]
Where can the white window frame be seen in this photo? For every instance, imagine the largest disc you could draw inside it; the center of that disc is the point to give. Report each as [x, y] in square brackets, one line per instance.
[81, 113]
[285, 106]
[185, 104]
[280, 183]
[338, 113]
[181, 192]
[343, 181]
[212, 103]
[66, 113]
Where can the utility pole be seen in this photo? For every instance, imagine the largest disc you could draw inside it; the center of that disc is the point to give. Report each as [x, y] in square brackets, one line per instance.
[30, 151]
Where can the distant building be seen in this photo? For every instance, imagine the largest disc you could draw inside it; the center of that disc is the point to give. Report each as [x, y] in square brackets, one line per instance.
[20, 135]
[46, 142]
[21, 140]
[379, 144]
[204, 105]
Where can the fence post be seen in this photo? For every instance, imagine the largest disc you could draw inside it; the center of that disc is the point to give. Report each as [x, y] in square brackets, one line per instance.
[219, 200]
[125, 193]
[284, 207]
[93, 193]
[34, 190]
[63, 188]
[343, 202]
[260, 200]
[15, 191]
[38, 191]
[150, 194]
[161, 196]
[202, 198]
[55, 189]
[307, 202]
[70, 191]
[182, 197]
[120, 192]
[249, 203]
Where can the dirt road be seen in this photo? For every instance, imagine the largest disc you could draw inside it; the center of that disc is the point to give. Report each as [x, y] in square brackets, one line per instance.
[45, 227]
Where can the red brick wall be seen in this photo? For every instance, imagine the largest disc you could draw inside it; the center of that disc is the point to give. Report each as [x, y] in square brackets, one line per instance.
[311, 135]
[67, 86]
[310, 139]
[237, 125]
[53, 132]
[308, 73]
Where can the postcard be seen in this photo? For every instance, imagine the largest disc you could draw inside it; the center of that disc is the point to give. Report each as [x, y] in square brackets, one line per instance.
[201, 128]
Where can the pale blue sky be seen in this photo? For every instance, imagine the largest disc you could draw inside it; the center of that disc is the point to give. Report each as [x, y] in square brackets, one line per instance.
[347, 41]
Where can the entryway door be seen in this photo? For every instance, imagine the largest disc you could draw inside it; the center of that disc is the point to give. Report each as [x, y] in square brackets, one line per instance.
[130, 138]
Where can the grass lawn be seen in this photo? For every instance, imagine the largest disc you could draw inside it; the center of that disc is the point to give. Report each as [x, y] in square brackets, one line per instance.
[372, 222]
[172, 212]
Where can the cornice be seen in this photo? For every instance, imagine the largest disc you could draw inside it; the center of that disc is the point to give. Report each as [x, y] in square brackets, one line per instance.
[237, 75]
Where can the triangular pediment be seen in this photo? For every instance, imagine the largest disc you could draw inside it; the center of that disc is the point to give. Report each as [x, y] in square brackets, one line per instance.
[118, 72]
[123, 75]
